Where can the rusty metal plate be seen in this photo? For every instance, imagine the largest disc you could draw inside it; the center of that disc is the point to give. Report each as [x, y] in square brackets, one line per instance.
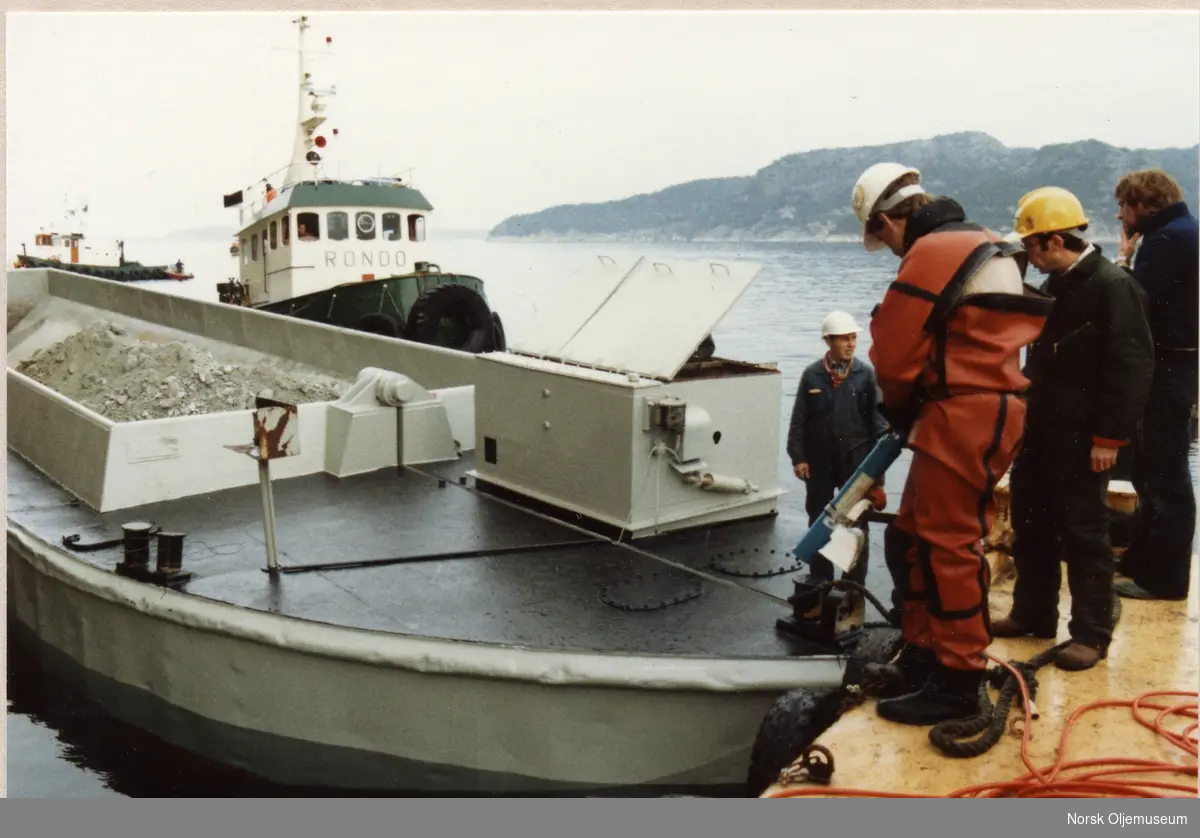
[276, 429]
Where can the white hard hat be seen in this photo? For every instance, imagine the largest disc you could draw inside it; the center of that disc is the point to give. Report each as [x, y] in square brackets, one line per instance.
[1013, 238]
[838, 323]
[871, 184]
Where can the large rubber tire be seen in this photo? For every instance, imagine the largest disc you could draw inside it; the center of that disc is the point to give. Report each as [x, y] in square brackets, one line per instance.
[380, 323]
[499, 341]
[453, 302]
[791, 725]
[878, 645]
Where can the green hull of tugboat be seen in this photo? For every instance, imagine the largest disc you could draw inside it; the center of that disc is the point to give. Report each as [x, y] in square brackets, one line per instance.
[426, 306]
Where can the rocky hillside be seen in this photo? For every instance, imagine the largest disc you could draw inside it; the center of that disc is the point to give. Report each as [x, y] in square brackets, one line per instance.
[806, 196]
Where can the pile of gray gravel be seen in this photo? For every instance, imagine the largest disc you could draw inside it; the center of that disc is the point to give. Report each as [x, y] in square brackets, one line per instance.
[125, 379]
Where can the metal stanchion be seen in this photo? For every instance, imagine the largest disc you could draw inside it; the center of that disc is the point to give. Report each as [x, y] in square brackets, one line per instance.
[276, 435]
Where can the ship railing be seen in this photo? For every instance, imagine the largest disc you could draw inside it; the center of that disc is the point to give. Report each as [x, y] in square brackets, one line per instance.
[345, 172]
[367, 173]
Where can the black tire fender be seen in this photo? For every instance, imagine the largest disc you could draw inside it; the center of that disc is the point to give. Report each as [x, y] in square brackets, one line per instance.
[877, 645]
[380, 323]
[499, 341]
[793, 723]
[459, 301]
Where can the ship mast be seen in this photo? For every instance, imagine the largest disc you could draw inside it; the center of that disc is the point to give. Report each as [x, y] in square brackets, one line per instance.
[306, 159]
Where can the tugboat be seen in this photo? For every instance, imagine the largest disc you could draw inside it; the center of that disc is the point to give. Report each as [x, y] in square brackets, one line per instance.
[348, 252]
[61, 250]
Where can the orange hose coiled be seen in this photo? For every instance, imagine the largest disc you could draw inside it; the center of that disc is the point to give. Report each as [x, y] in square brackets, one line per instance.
[1108, 778]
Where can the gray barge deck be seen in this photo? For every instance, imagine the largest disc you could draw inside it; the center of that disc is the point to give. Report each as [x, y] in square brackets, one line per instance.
[536, 597]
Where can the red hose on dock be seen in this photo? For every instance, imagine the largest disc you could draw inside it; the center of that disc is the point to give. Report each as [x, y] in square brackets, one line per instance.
[1115, 777]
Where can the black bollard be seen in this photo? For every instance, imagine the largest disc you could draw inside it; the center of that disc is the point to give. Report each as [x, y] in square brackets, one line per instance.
[137, 544]
[170, 552]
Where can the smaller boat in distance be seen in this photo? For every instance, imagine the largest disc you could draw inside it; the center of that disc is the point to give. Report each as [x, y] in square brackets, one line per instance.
[53, 249]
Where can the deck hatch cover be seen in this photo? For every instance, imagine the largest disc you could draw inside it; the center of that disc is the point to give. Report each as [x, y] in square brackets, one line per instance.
[576, 298]
[655, 316]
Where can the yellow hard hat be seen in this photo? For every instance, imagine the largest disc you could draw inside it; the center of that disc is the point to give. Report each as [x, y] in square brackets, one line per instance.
[1048, 210]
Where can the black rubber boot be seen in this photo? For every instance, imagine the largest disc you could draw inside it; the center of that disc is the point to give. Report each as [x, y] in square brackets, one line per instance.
[902, 676]
[946, 694]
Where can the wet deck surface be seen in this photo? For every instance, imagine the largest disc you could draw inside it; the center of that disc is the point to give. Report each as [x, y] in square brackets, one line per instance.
[547, 599]
[1154, 648]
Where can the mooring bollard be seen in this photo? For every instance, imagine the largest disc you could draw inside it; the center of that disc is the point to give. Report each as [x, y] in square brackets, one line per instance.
[137, 545]
[275, 436]
[170, 553]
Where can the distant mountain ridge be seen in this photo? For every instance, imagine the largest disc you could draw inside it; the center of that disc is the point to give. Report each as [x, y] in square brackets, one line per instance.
[806, 196]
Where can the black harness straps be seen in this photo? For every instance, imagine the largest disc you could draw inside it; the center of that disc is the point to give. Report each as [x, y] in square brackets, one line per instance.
[951, 296]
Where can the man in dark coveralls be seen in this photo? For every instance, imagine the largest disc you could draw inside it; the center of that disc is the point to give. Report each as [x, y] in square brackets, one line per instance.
[1090, 371]
[834, 424]
[1152, 211]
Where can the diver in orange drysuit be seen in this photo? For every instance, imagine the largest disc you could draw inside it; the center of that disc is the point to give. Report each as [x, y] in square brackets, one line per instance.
[946, 349]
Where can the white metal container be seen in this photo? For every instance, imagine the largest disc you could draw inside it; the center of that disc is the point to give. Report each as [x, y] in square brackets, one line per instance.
[609, 419]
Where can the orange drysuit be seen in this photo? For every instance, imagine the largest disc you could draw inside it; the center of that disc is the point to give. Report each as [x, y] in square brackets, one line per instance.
[946, 351]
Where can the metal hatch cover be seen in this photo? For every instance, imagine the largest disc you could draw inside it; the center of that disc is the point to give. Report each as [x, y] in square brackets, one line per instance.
[582, 291]
[657, 316]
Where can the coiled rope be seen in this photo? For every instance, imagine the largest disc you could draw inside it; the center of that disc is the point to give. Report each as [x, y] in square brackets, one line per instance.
[1098, 778]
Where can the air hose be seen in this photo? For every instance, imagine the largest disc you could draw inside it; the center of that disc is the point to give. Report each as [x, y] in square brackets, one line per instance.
[1115, 777]
[845, 584]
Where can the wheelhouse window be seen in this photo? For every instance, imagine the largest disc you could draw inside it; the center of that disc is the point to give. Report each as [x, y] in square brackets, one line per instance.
[308, 227]
[391, 227]
[364, 225]
[245, 253]
[339, 225]
[416, 228]
[285, 223]
[274, 235]
[254, 247]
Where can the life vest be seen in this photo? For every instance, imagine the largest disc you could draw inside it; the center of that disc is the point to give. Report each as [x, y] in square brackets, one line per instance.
[944, 351]
[931, 340]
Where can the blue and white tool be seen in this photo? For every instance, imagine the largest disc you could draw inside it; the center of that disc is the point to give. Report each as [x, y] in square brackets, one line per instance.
[834, 535]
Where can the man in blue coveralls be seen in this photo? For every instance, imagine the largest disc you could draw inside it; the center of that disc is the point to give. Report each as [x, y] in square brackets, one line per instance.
[835, 423]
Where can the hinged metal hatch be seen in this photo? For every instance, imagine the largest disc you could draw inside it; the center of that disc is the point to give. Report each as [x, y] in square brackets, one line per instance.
[647, 321]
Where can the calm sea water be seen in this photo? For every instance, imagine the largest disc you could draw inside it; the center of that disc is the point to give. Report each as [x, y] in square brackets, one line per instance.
[61, 746]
